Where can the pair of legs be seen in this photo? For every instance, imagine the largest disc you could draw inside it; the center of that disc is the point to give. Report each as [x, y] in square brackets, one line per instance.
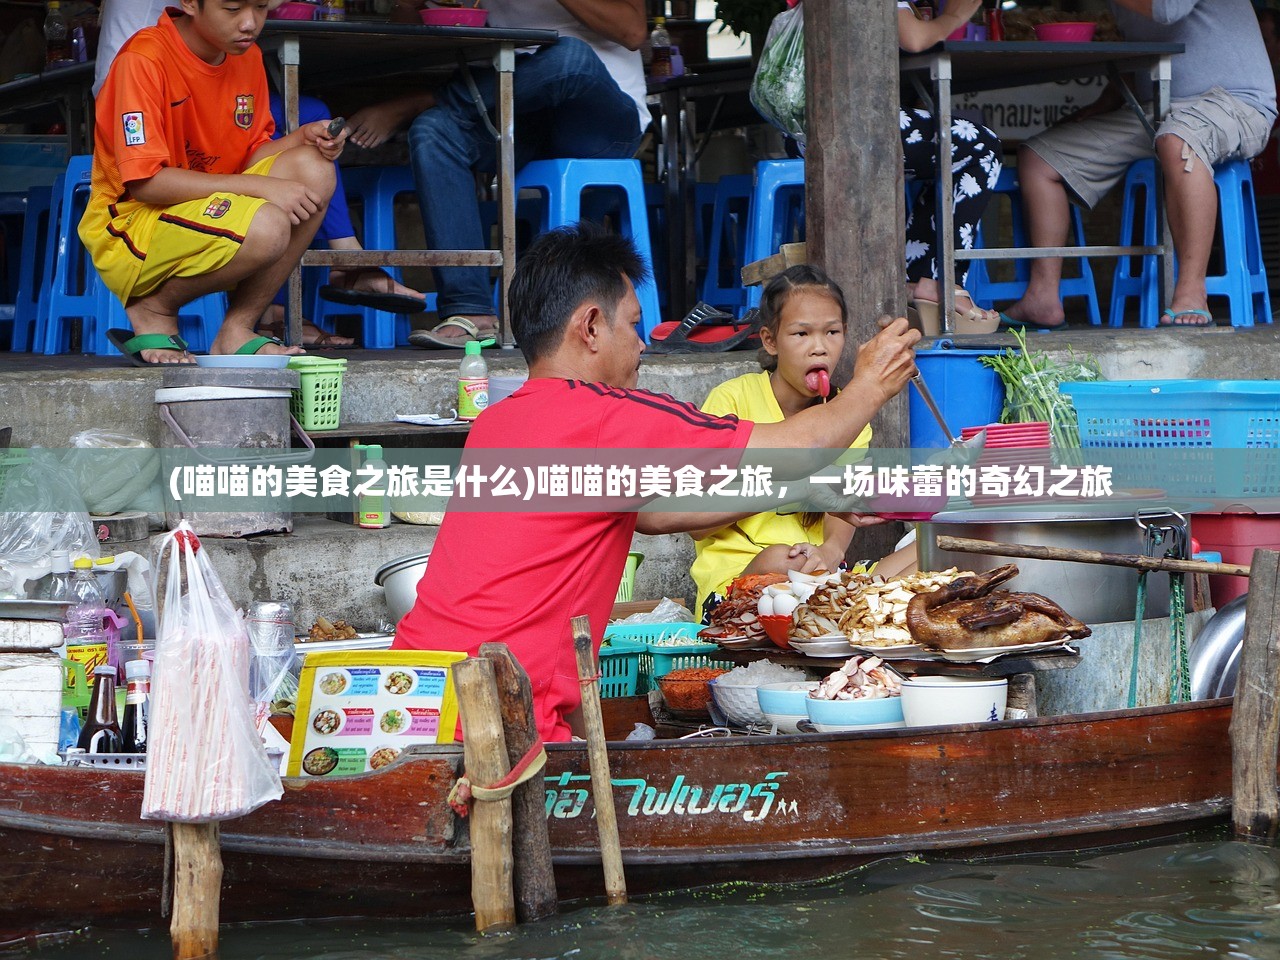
[261, 261]
[566, 105]
[1086, 159]
[337, 232]
[975, 164]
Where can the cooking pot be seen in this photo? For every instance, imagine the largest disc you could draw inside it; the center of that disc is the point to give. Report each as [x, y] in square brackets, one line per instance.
[1214, 654]
[399, 582]
[1094, 593]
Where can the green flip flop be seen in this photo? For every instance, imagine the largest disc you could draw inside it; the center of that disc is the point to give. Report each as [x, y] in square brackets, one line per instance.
[251, 347]
[132, 346]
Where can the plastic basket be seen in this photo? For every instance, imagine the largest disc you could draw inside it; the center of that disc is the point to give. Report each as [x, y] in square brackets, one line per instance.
[660, 661]
[628, 585]
[1151, 416]
[317, 403]
[639, 635]
[620, 667]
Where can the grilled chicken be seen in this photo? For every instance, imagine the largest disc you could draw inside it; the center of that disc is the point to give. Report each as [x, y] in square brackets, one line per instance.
[970, 612]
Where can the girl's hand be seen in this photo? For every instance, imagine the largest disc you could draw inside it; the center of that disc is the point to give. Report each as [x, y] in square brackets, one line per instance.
[861, 519]
[807, 558]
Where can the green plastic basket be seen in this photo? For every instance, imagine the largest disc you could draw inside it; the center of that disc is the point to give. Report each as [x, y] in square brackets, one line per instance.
[620, 668]
[317, 402]
[628, 585]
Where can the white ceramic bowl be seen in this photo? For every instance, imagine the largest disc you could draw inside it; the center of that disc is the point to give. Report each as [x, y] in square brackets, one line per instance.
[738, 703]
[931, 701]
[783, 703]
[830, 716]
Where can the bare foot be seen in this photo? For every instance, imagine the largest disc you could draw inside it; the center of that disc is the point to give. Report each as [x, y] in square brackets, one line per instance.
[374, 125]
[370, 280]
[1036, 312]
[272, 325]
[145, 321]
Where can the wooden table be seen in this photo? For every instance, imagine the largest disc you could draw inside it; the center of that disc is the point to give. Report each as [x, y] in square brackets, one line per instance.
[959, 66]
[320, 52]
[675, 103]
[70, 89]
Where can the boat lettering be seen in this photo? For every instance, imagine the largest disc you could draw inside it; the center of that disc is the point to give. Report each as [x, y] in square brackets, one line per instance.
[566, 800]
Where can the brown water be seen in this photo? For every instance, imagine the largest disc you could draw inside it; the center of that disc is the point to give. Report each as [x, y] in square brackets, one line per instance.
[1203, 897]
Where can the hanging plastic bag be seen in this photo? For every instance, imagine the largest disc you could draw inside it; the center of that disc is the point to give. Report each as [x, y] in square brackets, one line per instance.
[777, 89]
[205, 760]
[119, 474]
[41, 510]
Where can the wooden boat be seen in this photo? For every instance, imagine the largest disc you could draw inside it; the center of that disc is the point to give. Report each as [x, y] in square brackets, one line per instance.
[73, 850]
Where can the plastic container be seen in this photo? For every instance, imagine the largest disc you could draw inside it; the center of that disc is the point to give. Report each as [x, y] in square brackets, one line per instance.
[967, 392]
[473, 382]
[317, 402]
[626, 588]
[1235, 535]
[1073, 32]
[294, 10]
[660, 661]
[620, 668]
[454, 16]
[931, 701]
[1155, 415]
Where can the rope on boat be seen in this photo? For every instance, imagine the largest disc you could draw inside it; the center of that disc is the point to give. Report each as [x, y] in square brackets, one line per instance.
[529, 766]
[1179, 662]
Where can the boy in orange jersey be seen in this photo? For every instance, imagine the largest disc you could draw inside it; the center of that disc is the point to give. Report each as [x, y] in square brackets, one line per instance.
[190, 194]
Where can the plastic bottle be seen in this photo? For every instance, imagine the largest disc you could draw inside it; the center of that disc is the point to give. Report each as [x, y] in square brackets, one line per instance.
[86, 642]
[59, 576]
[57, 45]
[660, 44]
[473, 383]
[371, 511]
[101, 732]
[134, 726]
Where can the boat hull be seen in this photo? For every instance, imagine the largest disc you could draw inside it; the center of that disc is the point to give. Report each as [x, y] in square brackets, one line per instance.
[74, 852]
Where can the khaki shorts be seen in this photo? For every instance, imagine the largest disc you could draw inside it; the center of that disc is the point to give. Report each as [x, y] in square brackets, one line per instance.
[1092, 156]
[188, 239]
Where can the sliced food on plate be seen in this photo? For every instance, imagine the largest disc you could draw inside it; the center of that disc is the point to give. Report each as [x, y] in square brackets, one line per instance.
[971, 613]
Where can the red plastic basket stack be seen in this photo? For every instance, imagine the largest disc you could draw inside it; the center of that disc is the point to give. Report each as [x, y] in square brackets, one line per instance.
[1012, 445]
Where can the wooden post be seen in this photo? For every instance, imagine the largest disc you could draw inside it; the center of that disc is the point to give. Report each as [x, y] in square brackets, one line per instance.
[535, 882]
[854, 221]
[1021, 703]
[485, 756]
[615, 884]
[1255, 719]
[197, 889]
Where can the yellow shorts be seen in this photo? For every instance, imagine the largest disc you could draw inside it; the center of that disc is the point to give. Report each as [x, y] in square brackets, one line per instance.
[143, 246]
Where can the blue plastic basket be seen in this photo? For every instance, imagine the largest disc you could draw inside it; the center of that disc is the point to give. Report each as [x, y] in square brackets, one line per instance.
[642, 635]
[620, 667]
[1204, 415]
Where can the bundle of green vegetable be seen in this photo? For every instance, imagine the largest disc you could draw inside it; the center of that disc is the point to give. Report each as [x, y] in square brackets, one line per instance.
[777, 90]
[1031, 380]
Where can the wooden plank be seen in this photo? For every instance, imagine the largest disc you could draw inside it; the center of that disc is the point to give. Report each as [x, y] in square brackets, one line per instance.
[1255, 721]
[762, 271]
[1032, 552]
[197, 890]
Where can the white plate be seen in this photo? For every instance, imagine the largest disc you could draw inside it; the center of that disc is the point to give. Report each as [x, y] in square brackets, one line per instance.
[269, 361]
[990, 653]
[823, 647]
[742, 643]
[857, 727]
[901, 651]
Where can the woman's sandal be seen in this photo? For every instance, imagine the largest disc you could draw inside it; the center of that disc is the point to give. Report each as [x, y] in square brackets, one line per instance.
[970, 321]
[705, 330]
[428, 338]
[390, 302]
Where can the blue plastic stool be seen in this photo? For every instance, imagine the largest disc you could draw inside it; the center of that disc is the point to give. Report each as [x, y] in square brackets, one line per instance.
[776, 214]
[1244, 278]
[564, 181]
[727, 243]
[985, 291]
[35, 238]
[377, 189]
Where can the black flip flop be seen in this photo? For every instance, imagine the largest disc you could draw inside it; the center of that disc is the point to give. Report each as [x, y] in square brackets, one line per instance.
[132, 346]
[390, 302]
[705, 330]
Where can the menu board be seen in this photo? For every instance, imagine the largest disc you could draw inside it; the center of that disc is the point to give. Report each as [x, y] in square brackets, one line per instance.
[357, 710]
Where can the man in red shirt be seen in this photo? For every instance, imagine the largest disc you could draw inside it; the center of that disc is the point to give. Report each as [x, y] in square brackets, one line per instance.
[519, 577]
[190, 194]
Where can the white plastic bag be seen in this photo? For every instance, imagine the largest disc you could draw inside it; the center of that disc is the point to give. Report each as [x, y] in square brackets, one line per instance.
[777, 89]
[205, 760]
[118, 474]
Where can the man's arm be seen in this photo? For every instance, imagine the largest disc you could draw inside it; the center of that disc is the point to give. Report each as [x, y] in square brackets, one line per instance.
[621, 21]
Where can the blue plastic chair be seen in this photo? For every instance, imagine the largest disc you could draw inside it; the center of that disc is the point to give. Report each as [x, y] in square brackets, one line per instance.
[985, 291]
[727, 243]
[563, 182]
[31, 265]
[1243, 280]
[776, 213]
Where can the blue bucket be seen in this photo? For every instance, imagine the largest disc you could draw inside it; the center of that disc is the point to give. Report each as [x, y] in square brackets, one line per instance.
[968, 393]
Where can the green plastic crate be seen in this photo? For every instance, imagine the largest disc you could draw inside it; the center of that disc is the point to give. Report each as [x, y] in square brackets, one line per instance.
[317, 403]
[620, 667]
[627, 586]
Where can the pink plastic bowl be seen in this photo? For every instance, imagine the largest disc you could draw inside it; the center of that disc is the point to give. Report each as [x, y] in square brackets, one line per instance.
[1077, 32]
[454, 16]
[294, 11]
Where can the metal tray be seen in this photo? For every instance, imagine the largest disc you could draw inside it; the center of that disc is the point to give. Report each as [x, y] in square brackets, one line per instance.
[34, 609]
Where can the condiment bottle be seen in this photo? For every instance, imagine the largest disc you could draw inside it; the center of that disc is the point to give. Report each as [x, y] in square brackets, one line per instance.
[473, 382]
[660, 44]
[995, 23]
[134, 726]
[371, 509]
[86, 641]
[57, 46]
[101, 731]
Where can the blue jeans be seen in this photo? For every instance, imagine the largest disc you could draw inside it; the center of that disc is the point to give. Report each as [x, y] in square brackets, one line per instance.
[566, 105]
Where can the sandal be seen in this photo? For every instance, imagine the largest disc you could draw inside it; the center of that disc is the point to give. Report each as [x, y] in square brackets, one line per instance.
[429, 338]
[250, 347]
[132, 346]
[1203, 318]
[390, 302]
[706, 330]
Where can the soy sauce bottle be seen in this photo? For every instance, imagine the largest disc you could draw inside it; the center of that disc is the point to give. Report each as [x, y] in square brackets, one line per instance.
[101, 732]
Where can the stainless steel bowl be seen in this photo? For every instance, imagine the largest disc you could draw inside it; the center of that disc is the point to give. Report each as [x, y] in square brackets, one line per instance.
[399, 581]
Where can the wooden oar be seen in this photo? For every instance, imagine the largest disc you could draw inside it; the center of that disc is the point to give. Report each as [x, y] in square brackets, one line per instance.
[615, 884]
[1026, 551]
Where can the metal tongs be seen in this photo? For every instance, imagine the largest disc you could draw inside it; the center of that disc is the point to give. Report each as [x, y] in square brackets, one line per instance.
[976, 442]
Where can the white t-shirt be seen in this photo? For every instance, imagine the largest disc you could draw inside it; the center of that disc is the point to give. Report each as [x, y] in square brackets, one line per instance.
[623, 65]
[119, 20]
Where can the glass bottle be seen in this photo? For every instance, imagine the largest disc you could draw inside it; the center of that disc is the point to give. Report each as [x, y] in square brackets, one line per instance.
[101, 731]
[134, 726]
